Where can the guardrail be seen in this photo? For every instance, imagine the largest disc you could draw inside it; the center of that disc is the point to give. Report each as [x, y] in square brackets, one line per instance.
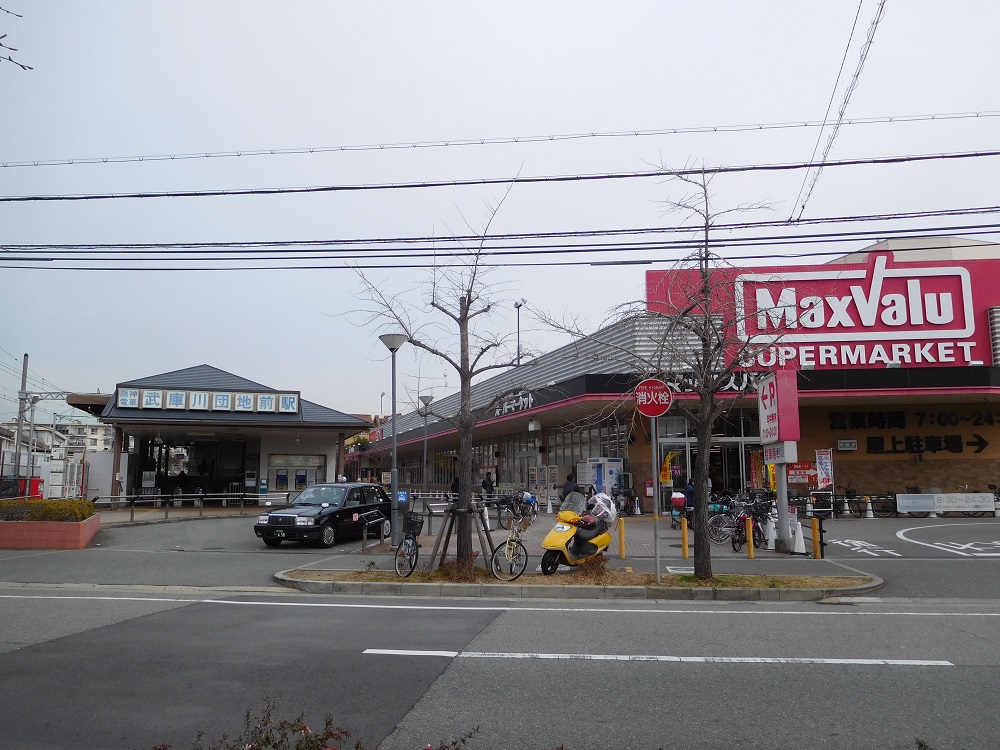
[243, 500]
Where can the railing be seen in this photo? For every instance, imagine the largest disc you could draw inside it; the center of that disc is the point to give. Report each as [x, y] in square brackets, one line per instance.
[243, 500]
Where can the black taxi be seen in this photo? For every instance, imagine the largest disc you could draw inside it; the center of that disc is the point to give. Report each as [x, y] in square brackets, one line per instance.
[324, 513]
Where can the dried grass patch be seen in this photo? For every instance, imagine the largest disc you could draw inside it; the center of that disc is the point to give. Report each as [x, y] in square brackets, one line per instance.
[584, 577]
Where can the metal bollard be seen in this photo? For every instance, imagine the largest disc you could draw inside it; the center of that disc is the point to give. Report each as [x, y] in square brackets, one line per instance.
[621, 538]
[684, 537]
[749, 526]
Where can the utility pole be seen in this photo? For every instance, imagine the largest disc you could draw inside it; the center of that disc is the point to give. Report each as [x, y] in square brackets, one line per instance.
[21, 396]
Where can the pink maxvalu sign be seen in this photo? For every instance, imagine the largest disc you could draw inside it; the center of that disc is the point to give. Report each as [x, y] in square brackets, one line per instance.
[849, 315]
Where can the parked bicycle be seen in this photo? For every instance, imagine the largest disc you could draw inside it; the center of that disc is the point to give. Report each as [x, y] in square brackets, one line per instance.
[510, 559]
[409, 549]
[516, 508]
[625, 501]
[757, 515]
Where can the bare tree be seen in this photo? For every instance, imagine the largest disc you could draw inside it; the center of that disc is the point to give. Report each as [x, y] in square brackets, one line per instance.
[4, 46]
[450, 320]
[690, 339]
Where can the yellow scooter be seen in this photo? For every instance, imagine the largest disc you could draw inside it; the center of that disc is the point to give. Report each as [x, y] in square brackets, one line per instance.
[578, 535]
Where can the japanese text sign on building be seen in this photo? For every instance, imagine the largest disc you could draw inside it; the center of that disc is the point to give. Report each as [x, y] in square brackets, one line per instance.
[652, 397]
[778, 407]
[178, 400]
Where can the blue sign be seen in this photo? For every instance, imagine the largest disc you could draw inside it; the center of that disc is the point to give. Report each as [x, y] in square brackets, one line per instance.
[402, 496]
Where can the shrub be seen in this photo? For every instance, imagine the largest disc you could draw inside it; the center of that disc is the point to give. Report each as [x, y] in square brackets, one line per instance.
[69, 509]
[263, 729]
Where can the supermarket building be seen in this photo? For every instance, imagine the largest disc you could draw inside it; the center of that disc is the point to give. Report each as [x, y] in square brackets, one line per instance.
[895, 349]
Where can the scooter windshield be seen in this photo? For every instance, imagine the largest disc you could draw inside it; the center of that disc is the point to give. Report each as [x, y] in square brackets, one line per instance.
[576, 502]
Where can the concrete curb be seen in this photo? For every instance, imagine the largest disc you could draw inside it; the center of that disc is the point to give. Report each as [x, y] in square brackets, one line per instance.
[556, 591]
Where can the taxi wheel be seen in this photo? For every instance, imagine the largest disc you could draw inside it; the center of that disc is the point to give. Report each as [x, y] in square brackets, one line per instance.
[272, 542]
[328, 536]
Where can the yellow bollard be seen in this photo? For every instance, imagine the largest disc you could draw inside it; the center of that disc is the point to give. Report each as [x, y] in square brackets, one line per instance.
[684, 537]
[816, 540]
[621, 538]
[749, 525]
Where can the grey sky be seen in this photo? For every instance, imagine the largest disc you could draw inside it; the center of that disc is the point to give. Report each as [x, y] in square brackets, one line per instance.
[120, 78]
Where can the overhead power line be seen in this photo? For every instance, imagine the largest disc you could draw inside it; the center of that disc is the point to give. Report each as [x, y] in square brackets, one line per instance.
[493, 141]
[865, 48]
[443, 241]
[486, 181]
[616, 253]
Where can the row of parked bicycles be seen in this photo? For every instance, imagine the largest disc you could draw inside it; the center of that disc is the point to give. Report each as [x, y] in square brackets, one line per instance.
[515, 513]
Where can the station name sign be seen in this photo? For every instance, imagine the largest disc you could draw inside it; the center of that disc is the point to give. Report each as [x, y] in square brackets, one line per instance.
[215, 401]
[875, 313]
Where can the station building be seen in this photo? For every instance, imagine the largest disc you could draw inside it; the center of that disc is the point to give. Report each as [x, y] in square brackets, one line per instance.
[202, 429]
[896, 350]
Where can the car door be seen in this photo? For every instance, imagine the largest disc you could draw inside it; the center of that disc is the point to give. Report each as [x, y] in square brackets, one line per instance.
[351, 523]
[375, 500]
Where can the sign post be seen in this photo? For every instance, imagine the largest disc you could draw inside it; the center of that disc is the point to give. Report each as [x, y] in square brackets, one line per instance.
[778, 407]
[652, 399]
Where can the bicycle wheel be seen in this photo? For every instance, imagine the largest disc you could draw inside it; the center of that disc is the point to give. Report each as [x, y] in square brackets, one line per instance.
[738, 538]
[631, 506]
[720, 528]
[856, 508]
[758, 536]
[883, 508]
[505, 517]
[406, 556]
[974, 513]
[509, 560]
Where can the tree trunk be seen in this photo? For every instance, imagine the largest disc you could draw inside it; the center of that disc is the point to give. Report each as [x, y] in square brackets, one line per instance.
[702, 551]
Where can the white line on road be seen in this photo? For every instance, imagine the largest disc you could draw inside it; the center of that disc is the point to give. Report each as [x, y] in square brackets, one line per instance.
[902, 534]
[824, 612]
[648, 657]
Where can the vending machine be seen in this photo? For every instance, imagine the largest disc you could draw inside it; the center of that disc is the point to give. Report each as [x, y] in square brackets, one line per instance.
[600, 473]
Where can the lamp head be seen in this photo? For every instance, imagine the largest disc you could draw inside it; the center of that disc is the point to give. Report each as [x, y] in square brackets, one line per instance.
[393, 341]
[426, 399]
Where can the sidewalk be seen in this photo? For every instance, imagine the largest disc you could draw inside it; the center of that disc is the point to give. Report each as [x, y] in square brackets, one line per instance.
[639, 557]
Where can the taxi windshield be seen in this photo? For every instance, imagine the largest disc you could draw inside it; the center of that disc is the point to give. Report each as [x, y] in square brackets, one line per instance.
[319, 494]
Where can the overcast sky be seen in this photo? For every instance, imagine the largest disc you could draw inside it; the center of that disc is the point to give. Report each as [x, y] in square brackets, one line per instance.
[122, 78]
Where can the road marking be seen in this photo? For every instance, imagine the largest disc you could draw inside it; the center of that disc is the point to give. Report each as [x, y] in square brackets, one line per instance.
[649, 657]
[949, 546]
[824, 612]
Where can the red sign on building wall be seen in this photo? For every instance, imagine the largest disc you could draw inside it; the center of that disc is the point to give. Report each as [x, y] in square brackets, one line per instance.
[849, 315]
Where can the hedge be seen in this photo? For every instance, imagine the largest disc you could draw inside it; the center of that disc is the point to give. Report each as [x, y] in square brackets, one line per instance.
[69, 509]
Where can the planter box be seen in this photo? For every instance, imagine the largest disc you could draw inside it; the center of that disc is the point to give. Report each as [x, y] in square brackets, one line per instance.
[48, 534]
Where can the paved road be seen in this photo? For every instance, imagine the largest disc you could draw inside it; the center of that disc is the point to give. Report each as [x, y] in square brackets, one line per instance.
[162, 631]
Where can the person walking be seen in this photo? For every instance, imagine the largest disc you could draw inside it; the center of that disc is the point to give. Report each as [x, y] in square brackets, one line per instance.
[488, 486]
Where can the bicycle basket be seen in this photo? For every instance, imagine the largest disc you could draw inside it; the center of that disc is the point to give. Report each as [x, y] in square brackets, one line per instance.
[413, 524]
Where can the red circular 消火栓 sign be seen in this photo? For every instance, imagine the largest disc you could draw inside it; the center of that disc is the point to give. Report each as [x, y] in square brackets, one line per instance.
[652, 397]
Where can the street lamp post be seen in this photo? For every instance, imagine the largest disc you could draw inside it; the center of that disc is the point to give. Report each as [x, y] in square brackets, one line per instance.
[426, 401]
[392, 342]
[518, 306]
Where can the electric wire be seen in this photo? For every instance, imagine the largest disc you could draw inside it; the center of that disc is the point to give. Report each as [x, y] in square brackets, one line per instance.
[518, 180]
[493, 141]
[461, 239]
[865, 49]
[437, 261]
[829, 104]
